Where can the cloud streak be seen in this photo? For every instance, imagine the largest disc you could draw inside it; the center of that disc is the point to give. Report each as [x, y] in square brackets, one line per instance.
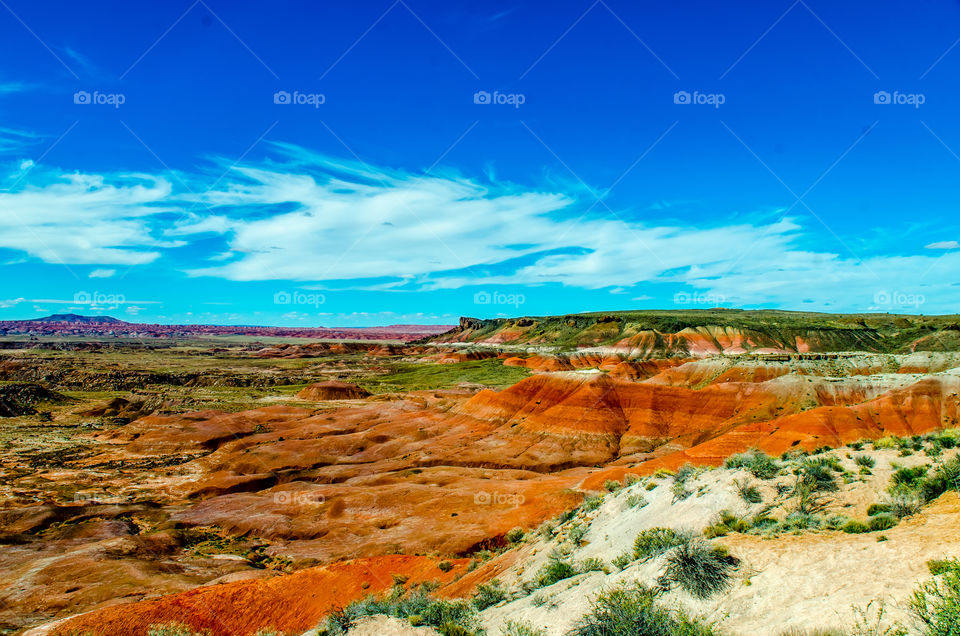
[344, 225]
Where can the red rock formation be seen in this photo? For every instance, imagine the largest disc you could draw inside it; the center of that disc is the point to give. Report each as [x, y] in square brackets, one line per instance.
[291, 604]
[332, 390]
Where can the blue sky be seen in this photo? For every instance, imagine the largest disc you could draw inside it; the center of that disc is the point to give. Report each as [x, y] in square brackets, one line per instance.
[316, 163]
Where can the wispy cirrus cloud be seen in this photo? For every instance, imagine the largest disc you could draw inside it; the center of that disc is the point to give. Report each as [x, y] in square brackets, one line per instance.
[334, 224]
[76, 218]
[12, 139]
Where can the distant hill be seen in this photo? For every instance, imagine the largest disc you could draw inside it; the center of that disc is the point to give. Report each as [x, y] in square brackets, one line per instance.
[78, 318]
[108, 327]
[652, 334]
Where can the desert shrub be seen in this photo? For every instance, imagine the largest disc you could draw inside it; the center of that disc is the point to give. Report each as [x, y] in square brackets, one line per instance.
[679, 490]
[818, 473]
[748, 492]
[758, 463]
[945, 477]
[904, 503]
[612, 486]
[577, 533]
[623, 561]
[489, 594]
[858, 445]
[908, 477]
[651, 485]
[450, 618]
[890, 441]
[836, 522]
[591, 565]
[636, 500]
[762, 521]
[865, 461]
[944, 439]
[632, 611]
[699, 568]
[515, 535]
[521, 628]
[655, 541]
[630, 479]
[798, 521]
[546, 529]
[557, 568]
[663, 473]
[941, 566]
[592, 503]
[687, 472]
[877, 508]
[445, 566]
[936, 604]
[883, 521]
[810, 500]
[855, 527]
[727, 523]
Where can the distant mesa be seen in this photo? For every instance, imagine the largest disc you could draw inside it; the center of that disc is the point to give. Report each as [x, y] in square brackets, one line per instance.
[78, 318]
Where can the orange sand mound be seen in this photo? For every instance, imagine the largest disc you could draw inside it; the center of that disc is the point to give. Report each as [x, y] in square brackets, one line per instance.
[291, 604]
[333, 390]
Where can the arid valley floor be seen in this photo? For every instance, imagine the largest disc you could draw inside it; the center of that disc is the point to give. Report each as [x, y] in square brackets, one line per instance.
[242, 484]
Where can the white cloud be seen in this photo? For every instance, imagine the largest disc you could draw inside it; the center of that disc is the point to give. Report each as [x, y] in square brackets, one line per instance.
[102, 273]
[13, 139]
[342, 221]
[75, 218]
[335, 225]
